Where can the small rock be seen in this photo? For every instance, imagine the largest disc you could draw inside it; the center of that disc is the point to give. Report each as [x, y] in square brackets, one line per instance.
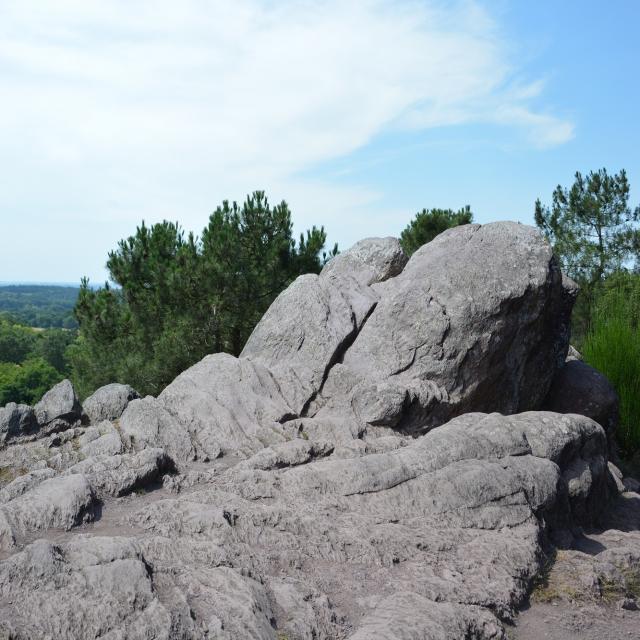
[59, 409]
[629, 604]
[16, 420]
[108, 402]
[616, 475]
[579, 388]
[573, 354]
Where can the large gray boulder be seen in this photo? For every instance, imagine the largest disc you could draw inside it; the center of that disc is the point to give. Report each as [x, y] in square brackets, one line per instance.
[477, 321]
[16, 422]
[93, 587]
[118, 475]
[146, 423]
[579, 388]
[108, 402]
[300, 352]
[59, 409]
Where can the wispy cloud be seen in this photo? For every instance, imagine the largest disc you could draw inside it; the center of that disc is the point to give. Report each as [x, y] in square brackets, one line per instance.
[123, 109]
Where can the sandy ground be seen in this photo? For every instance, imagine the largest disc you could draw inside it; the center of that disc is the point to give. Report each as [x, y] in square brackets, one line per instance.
[565, 621]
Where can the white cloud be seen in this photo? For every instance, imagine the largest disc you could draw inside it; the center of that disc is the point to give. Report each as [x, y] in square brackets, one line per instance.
[160, 108]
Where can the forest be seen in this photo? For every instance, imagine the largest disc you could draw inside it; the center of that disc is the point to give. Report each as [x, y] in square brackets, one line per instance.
[41, 306]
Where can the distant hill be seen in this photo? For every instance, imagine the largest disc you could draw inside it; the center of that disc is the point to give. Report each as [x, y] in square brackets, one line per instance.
[40, 305]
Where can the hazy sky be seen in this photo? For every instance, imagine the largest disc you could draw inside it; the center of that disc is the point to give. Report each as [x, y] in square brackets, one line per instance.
[357, 112]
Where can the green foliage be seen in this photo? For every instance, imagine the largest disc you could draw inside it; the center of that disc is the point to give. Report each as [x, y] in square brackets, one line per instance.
[51, 345]
[180, 297]
[16, 342]
[26, 382]
[427, 224]
[612, 346]
[30, 361]
[591, 226]
[39, 305]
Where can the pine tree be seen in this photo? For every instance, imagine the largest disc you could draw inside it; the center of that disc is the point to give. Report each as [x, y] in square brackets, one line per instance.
[179, 298]
[427, 224]
[591, 226]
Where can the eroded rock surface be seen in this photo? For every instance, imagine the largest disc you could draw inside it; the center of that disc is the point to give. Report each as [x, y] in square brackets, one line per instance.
[477, 320]
[350, 476]
[108, 402]
[59, 409]
[295, 543]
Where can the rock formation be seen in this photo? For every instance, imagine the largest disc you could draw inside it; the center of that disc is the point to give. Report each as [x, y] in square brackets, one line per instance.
[375, 464]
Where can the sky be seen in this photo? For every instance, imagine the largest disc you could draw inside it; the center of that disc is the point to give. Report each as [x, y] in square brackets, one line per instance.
[358, 113]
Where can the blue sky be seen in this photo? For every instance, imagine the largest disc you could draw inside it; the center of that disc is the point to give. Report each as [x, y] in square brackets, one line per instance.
[357, 113]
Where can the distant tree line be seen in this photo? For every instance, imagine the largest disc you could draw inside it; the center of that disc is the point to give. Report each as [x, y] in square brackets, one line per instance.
[41, 306]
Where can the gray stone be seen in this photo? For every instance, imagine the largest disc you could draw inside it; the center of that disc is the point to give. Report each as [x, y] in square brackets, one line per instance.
[349, 360]
[477, 320]
[288, 454]
[437, 536]
[24, 483]
[306, 330]
[369, 261]
[579, 388]
[616, 476]
[59, 409]
[106, 444]
[60, 502]
[312, 322]
[573, 354]
[93, 587]
[224, 404]
[117, 475]
[302, 506]
[108, 402]
[16, 421]
[146, 423]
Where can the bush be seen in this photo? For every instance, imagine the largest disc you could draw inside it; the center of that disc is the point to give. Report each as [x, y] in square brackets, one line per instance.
[27, 382]
[612, 346]
[16, 342]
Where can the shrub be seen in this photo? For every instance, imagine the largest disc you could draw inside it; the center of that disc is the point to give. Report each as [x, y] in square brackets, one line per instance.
[27, 382]
[612, 346]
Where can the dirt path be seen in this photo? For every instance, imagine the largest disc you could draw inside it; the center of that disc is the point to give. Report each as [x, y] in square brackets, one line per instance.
[591, 592]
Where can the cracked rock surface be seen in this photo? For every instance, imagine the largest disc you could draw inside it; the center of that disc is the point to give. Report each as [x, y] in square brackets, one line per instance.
[374, 465]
